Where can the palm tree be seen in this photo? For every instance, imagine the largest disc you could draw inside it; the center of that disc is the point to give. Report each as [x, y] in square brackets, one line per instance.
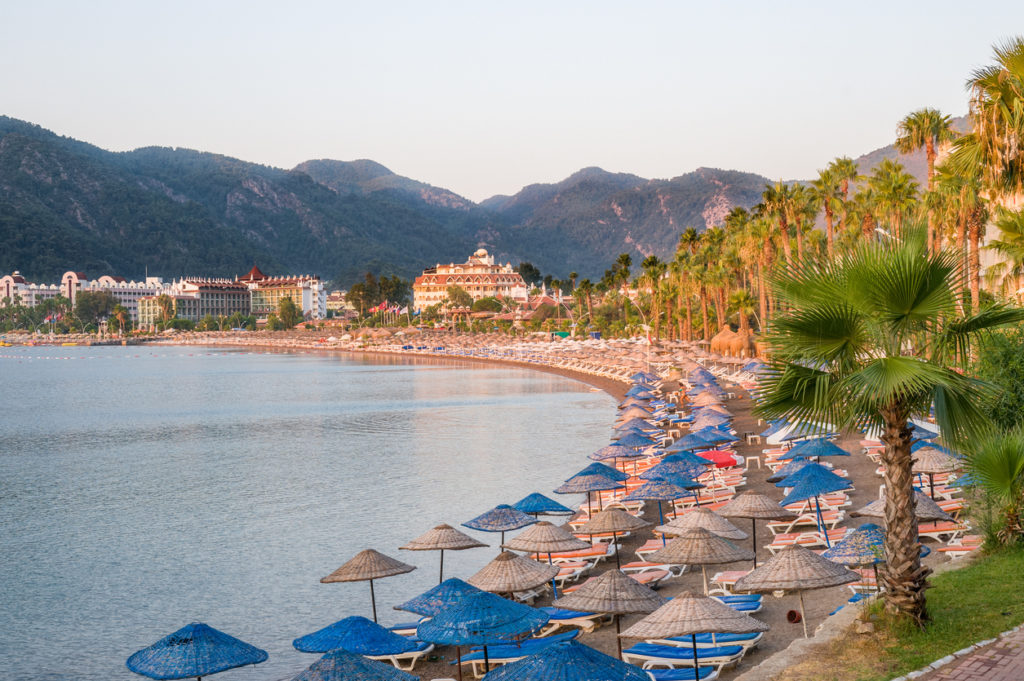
[827, 193]
[996, 142]
[996, 461]
[121, 316]
[873, 338]
[925, 128]
[844, 170]
[777, 201]
[166, 305]
[862, 208]
[1008, 274]
[742, 304]
[895, 192]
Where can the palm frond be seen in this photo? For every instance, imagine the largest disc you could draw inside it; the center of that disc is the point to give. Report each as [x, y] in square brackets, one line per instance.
[825, 333]
[953, 342]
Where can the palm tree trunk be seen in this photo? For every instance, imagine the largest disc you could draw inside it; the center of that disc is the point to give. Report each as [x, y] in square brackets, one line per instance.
[680, 299]
[762, 297]
[799, 240]
[829, 231]
[787, 248]
[974, 258]
[705, 332]
[689, 319]
[867, 227]
[720, 307]
[929, 153]
[904, 578]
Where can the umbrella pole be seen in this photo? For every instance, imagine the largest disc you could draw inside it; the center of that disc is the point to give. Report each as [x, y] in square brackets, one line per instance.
[803, 617]
[487, 661]
[931, 482]
[696, 666]
[615, 540]
[440, 577]
[618, 630]
[753, 538]
[554, 584]
[704, 572]
[662, 519]
[373, 602]
[821, 522]
[878, 587]
[590, 514]
[458, 662]
[696, 497]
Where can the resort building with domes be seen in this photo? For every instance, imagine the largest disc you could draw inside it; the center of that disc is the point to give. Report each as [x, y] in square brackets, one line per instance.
[479, 276]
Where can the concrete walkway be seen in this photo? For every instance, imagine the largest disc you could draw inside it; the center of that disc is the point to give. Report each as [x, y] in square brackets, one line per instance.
[1000, 661]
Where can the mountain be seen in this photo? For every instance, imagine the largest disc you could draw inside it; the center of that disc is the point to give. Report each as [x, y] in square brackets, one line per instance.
[66, 204]
[915, 163]
[584, 221]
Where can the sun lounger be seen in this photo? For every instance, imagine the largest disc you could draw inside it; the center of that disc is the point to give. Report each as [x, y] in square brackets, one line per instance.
[650, 655]
[595, 553]
[504, 653]
[958, 548]
[648, 577]
[406, 661]
[707, 640]
[805, 539]
[643, 566]
[741, 602]
[683, 674]
[938, 531]
[564, 619]
[725, 581]
[407, 628]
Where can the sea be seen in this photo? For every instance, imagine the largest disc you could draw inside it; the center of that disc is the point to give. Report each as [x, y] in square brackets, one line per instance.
[144, 488]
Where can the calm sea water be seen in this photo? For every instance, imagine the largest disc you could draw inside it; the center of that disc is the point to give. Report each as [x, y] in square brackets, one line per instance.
[145, 488]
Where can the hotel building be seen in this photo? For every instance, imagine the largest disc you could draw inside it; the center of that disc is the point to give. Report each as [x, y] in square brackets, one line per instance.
[306, 291]
[478, 276]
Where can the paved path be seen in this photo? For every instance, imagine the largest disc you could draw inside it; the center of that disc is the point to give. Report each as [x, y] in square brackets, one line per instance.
[1001, 661]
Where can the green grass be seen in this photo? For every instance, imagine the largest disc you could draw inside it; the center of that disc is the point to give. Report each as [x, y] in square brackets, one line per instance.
[965, 606]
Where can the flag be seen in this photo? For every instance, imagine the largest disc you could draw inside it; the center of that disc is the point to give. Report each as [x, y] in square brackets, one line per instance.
[404, 310]
[48, 318]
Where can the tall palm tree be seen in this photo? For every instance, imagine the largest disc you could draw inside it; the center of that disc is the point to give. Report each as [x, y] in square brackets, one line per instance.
[742, 304]
[925, 128]
[777, 201]
[863, 210]
[875, 337]
[587, 289]
[895, 193]
[1008, 275]
[828, 194]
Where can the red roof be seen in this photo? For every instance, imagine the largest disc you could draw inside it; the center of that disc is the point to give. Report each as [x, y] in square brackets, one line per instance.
[253, 275]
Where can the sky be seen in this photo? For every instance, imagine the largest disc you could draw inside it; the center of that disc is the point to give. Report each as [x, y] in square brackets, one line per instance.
[483, 98]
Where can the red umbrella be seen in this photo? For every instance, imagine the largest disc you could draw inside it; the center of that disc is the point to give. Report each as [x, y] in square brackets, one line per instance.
[720, 458]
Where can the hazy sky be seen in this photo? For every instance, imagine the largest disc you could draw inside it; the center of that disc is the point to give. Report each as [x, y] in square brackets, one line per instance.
[484, 97]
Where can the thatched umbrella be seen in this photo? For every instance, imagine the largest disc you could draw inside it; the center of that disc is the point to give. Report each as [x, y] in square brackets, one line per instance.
[702, 547]
[194, 650]
[440, 538]
[756, 507]
[547, 538]
[924, 510]
[688, 615]
[799, 569]
[502, 518]
[368, 565]
[509, 573]
[706, 518]
[579, 484]
[568, 661]
[341, 665]
[613, 520]
[929, 461]
[613, 593]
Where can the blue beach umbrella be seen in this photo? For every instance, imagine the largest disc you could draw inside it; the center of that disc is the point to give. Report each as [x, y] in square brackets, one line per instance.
[636, 441]
[537, 504]
[357, 635]
[593, 482]
[789, 469]
[481, 619]
[934, 445]
[568, 661]
[441, 597]
[796, 476]
[919, 432]
[774, 427]
[341, 665]
[685, 468]
[612, 451]
[817, 448]
[636, 423]
[863, 546]
[814, 481]
[684, 481]
[688, 443]
[194, 650]
[501, 518]
[603, 469]
[701, 375]
[685, 457]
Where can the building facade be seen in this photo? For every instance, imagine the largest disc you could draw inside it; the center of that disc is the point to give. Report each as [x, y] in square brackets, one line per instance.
[479, 276]
[306, 291]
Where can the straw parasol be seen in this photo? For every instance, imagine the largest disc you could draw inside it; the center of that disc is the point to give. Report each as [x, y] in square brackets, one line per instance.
[688, 615]
[796, 568]
[698, 546]
[537, 504]
[438, 598]
[924, 510]
[706, 518]
[613, 593]
[929, 461]
[509, 573]
[547, 538]
[579, 484]
[368, 565]
[568, 661]
[863, 546]
[613, 520]
[756, 507]
[194, 650]
[502, 518]
[441, 538]
[341, 665]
